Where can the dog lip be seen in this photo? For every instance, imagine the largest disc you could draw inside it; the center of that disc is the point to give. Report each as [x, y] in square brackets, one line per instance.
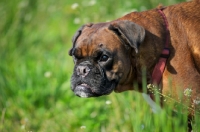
[85, 85]
[84, 90]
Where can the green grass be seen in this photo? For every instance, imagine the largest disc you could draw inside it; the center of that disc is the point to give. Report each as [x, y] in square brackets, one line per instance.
[35, 71]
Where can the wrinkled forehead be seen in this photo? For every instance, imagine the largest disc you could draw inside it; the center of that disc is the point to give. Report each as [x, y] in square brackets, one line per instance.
[93, 39]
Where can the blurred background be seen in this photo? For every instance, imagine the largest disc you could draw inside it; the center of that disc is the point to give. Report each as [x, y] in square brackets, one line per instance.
[35, 70]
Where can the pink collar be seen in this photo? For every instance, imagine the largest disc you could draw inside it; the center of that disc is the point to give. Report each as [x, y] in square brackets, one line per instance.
[160, 66]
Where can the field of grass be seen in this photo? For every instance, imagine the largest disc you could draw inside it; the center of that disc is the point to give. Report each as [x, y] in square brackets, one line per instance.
[35, 70]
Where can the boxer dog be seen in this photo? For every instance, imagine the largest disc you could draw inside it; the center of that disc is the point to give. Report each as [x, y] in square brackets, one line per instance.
[165, 42]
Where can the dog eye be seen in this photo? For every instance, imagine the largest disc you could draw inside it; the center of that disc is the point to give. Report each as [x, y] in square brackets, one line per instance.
[104, 58]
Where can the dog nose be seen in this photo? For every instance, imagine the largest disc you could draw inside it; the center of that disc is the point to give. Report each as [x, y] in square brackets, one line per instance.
[82, 70]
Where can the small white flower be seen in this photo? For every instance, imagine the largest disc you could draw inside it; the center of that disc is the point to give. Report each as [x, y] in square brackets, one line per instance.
[92, 2]
[188, 92]
[23, 126]
[196, 101]
[47, 74]
[77, 20]
[108, 102]
[83, 127]
[74, 6]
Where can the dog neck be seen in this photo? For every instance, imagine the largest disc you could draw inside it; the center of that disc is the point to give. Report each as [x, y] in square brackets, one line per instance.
[160, 66]
[155, 41]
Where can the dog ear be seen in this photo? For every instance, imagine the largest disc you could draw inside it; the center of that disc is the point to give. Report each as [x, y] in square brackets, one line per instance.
[131, 33]
[76, 35]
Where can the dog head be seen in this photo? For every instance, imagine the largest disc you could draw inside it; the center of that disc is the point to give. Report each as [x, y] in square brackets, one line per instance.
[102, 55]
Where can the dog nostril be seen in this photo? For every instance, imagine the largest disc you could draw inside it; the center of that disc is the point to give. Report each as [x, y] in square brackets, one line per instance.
[82, 70]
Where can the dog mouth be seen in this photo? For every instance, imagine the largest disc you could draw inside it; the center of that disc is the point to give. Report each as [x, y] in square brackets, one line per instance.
[84, 90]
[92, 85]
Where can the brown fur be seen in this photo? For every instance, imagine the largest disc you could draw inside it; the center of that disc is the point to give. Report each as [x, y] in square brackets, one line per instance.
[183, 67]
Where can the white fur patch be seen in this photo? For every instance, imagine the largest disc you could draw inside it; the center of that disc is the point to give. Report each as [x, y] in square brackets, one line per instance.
[82, 94]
